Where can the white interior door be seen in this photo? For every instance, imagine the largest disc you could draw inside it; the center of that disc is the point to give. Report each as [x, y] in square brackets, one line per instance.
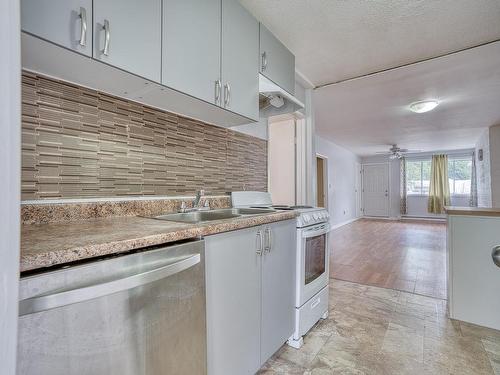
[376, 189]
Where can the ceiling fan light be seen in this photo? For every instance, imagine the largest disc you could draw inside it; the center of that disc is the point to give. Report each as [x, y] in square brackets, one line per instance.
[423, 106]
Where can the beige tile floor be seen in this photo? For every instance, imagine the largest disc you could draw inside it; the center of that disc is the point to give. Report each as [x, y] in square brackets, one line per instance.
[372, 330]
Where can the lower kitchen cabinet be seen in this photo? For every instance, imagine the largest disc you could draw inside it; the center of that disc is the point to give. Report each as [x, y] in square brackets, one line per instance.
[278, 281]
[250, 279]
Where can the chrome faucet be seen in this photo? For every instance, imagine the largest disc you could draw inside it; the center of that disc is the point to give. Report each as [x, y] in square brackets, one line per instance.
[197, 200]
[196, 204]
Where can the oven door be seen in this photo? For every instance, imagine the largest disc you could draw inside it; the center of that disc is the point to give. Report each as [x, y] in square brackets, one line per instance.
[312, 262]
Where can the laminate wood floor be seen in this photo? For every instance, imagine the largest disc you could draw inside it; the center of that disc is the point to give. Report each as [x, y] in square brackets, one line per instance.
[404, 255]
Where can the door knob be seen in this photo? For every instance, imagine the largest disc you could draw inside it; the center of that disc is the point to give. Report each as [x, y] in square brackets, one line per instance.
[495, 254]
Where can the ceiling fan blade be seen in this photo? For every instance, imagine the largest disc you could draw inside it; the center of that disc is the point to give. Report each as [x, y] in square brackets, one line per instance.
[410, 151]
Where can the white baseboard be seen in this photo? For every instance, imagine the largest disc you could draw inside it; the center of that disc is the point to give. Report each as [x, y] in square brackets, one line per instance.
[424, 218]
[409, 218]
[380, 217]
[336, 226]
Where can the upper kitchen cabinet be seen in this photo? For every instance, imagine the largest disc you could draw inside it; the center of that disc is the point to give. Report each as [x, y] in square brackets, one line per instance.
[209, 52]
[277, 62]
[197, 58]
[127, 35]
[240, 63]
[64, 22]
[191, 49]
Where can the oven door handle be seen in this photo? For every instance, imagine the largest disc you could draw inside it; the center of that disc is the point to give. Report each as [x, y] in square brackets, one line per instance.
[316, 231]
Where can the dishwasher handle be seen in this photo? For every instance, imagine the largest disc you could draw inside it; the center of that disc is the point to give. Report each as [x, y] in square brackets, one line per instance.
[67, 297]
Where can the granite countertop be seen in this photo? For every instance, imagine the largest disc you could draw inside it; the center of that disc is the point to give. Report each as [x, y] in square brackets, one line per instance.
[46, 245]
[473, 211]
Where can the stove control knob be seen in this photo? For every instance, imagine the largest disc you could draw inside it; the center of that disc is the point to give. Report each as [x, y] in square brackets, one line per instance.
[306, 218]
[315, 216]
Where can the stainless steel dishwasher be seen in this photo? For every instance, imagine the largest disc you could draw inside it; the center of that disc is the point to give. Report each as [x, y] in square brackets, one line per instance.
[137, 314]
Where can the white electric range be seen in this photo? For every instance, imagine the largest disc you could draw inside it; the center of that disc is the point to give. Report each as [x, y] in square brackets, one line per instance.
[312, 259]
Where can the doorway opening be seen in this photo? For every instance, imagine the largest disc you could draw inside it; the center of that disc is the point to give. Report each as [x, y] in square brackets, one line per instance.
[322, 181]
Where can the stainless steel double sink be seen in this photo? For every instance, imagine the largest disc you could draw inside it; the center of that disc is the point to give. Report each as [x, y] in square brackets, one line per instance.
[202, 216]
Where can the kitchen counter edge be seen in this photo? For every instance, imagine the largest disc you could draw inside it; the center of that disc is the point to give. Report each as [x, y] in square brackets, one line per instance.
[40, 250]
[473, 211]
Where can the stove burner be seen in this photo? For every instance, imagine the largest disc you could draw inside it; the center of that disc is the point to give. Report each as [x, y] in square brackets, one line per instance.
[300, 207]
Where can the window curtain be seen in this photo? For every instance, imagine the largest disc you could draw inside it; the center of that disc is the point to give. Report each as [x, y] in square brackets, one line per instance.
[473, 183]
[439, 190]
[403, 206]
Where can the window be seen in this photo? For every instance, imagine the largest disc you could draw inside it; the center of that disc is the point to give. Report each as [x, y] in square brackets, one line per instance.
[418, 175]
[459, 175]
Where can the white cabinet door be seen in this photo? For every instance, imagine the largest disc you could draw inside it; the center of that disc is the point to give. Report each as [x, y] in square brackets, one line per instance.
[233, 290]
[277, 62]
[474, 278]
[278, 287]
[127, 34]
[64, 22]
[240, 60]
[192, 47]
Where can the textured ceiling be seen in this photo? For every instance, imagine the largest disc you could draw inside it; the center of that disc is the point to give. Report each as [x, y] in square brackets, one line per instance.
[334, 40]
[368, 114]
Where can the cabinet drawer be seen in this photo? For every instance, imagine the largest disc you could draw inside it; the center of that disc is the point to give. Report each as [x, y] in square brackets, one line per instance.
[311, 311]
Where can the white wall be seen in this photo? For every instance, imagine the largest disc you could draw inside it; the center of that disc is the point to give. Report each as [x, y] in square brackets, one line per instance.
[281, 161]
[394, 181]
[483, 170]
[10, 189]
[417, 206]
[341, 180]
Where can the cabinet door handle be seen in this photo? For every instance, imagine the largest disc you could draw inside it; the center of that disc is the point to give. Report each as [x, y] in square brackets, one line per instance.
[268, 240]
[495, 254]
[83, 27]
[227, 95]
[107, 36]
[259, 244]
[264, 61]
[217, 91]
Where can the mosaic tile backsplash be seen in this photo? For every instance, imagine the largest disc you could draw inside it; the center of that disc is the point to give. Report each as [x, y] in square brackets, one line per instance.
[81, 143]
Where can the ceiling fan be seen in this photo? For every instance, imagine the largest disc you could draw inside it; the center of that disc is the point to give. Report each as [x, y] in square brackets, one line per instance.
[396, 153]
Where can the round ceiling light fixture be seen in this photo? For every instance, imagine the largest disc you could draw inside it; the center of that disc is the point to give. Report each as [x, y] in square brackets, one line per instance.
[423, 106]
